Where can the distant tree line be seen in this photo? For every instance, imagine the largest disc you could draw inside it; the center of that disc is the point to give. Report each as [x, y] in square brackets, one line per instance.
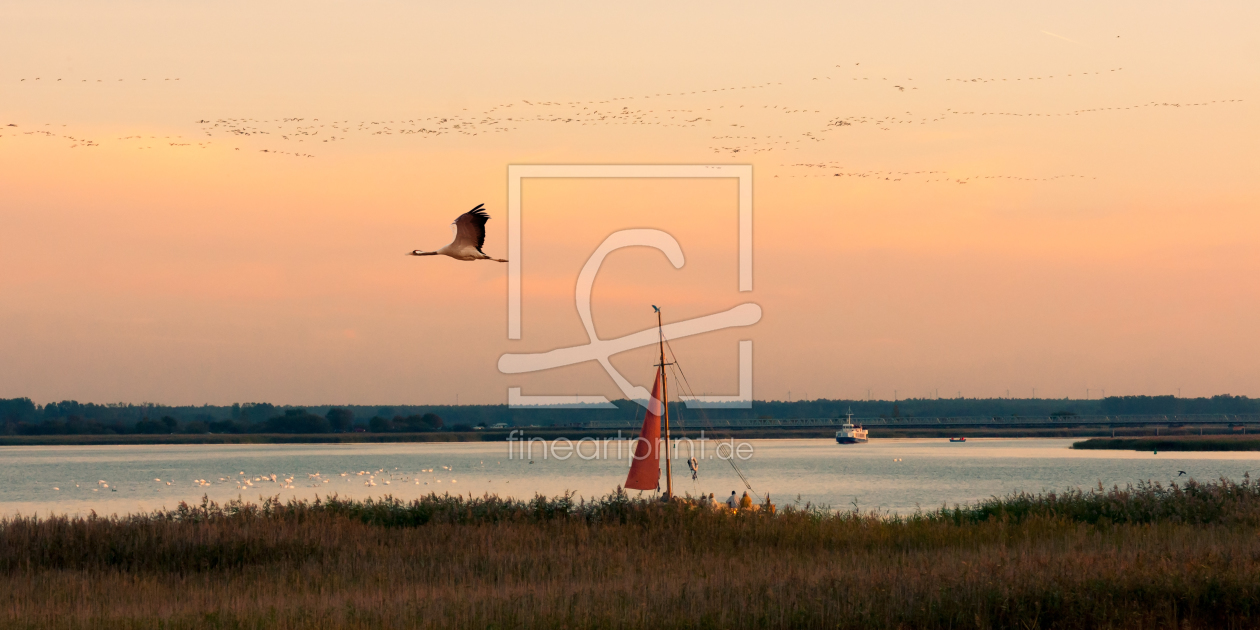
[21, 416]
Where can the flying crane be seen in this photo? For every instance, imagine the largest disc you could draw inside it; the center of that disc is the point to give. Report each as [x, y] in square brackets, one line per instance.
[469, 230]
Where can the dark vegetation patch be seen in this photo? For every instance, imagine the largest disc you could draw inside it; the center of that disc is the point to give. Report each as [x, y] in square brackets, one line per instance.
[1143, 556]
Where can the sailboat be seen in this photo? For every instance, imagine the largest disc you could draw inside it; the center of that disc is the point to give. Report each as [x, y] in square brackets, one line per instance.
[645, 468]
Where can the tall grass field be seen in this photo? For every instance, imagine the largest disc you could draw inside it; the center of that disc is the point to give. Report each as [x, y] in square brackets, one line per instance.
[1151, 556]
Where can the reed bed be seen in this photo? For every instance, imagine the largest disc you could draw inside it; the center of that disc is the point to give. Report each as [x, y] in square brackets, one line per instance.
[1185, 556]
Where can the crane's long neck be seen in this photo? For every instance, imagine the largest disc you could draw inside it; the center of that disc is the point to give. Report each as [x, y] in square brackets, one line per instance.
[420, 253]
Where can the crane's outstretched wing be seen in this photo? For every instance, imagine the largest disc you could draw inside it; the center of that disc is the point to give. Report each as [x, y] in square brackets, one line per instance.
[470, 228]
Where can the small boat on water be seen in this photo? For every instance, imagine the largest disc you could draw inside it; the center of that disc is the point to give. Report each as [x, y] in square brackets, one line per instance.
[958, 439]
[850, 434]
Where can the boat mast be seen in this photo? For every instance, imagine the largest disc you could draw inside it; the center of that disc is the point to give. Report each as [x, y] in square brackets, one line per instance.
[669, 471]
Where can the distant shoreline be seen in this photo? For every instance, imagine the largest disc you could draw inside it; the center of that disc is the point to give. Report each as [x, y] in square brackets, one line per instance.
[1174, 443]
[1129, 439]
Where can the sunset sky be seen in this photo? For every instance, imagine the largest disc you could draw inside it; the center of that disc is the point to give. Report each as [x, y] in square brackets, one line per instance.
[210, 202]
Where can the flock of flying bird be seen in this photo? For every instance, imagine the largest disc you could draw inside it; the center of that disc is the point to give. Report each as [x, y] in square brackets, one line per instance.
[836, 170]
[680, 109]
[23, 80]
[620, 111]
[78, 142]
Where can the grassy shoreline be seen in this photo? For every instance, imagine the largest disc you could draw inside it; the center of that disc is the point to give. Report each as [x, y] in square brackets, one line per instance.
[1151, 556]
[1175, 443]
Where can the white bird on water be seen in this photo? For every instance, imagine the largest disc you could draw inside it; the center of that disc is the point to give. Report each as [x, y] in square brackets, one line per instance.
[470, 236]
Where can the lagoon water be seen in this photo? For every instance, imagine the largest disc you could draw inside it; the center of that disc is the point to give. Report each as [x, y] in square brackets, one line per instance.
[891, 475]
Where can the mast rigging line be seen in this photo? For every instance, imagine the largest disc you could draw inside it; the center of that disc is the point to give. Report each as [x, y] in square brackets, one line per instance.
[691, 393]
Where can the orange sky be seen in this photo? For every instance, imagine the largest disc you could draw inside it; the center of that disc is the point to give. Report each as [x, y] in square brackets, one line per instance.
[1082, 215]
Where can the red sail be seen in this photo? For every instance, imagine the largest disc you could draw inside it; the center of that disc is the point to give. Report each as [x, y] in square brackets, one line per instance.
[645, 467]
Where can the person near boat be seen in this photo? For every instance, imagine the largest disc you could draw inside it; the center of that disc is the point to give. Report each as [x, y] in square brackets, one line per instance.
[732, 501]
[745, 502]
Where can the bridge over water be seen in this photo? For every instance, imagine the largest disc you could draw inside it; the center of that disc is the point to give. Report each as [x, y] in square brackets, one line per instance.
[1170, 420]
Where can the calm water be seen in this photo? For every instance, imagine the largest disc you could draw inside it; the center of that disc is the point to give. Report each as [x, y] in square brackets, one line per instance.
[894, 475]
